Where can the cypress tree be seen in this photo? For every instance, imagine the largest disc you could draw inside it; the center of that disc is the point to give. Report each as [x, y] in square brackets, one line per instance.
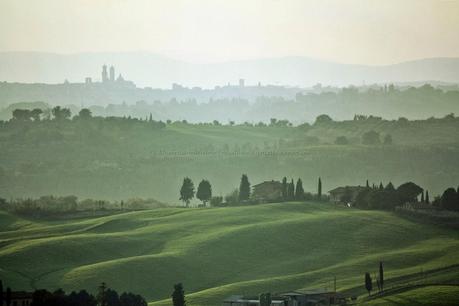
[284, 188]
[427, 197]
[319, 189]
[367, 184]
[422, 196]
[368, 283]
[381, 187]
[291, 190]
[299, 191]
[244, 188]
[381, 276]
[178, 296]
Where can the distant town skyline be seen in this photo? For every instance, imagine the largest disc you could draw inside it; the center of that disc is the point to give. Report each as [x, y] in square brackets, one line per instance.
[369, 32]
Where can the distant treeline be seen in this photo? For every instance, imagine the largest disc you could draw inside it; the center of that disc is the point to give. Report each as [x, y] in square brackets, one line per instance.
[46, 206]
[388, 101]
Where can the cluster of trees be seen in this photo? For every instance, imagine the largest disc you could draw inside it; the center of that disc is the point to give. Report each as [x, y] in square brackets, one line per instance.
[292, 191]
[63, 114]
[204, 192]
[379, 280]
[187, 191]
[388, 197]
[374, 138]
[105, 297]
[60, 205]
[449, 200]
[242, 195]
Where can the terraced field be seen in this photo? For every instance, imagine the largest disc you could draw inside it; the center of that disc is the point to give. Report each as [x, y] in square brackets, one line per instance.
[217, 252]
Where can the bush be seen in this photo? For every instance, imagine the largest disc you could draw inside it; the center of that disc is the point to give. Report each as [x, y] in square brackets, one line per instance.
[216, 201]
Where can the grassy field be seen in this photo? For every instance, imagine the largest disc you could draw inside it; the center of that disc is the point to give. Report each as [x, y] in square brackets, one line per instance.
[429, 295]
[222, 251]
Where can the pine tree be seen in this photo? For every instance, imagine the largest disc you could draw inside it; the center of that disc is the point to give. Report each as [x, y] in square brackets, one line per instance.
[178, 296]
[427, 197]
[299, 191]
[319, 189]
[368, 283]
[381, 276]
[204, 192]
[284, 188]
[291, 190]
[244, 188]
[187, 191]
[381, 187]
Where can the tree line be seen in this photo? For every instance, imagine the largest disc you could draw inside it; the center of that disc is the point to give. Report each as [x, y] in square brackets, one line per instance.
[290, 191]
[105, 297]
[47, 206]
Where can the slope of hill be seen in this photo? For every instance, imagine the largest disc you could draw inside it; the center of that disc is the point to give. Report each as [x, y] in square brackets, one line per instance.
[429, 295]
[149, 69]
[116, 159]
[222, 251]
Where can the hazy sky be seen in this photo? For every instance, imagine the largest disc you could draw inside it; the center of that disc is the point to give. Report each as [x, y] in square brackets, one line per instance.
[359, 31]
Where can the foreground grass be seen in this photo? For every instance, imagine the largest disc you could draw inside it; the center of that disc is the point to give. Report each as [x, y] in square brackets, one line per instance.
[223, 251]
[428, 296]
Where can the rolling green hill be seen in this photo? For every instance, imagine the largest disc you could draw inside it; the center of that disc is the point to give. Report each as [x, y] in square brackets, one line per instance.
[222, 251]
[115, 158]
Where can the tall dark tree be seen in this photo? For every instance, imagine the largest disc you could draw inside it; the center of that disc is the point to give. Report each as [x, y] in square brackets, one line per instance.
[299, 191]
[112, 298]
[284, 188]
[204, 192]
[449, 199]
[178, 296]
[291, 191]
[187, 191]
[422, 197]
[8, 297]
[427, 197]
[319, 189]
[101, 295]
[381, 275]
[1, 292]
[368, 283]
[367, 184]
[244, 188]
[381, 187]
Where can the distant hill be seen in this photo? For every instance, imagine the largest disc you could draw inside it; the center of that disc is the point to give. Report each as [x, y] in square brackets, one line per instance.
[148, 69]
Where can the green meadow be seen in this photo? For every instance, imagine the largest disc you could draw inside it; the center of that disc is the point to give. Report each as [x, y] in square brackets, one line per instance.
[216, 252]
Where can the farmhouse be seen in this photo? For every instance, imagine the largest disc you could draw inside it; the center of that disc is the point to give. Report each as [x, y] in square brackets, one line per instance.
[316, 297]
[19, 298]
[345, 194]
[240, 300]
[267, 191]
